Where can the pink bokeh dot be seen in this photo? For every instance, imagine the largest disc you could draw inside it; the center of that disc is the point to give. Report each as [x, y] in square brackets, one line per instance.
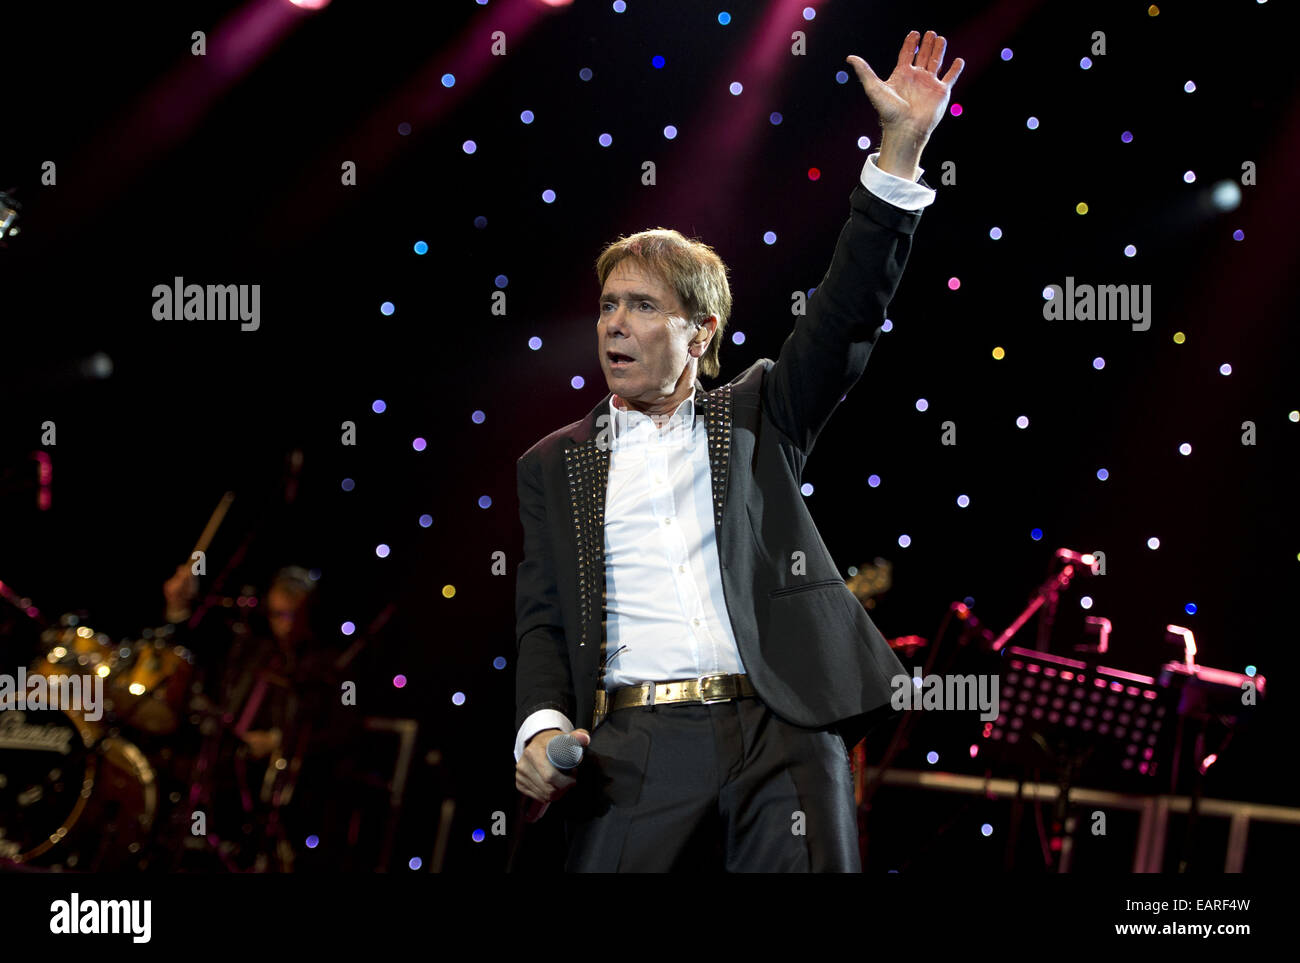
[955, 110]
[953, 284]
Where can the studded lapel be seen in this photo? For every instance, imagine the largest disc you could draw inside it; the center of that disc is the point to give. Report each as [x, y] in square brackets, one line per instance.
[587, 468]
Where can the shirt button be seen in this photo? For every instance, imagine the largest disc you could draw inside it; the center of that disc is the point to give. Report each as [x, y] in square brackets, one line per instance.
[681, 568]
[668, 521]
[696, 621]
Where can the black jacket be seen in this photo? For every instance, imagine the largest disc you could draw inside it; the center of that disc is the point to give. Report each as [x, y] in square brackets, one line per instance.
[811, 652]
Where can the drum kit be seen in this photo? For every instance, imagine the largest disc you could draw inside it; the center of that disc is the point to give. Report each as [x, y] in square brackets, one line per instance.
[77, 790]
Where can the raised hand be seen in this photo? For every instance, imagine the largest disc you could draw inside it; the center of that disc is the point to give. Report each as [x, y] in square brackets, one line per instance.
[911, 102]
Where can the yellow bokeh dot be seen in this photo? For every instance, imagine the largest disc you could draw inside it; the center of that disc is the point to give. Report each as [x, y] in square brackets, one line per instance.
[998, 353]
[448, 591]
[1153, 11]
[1081, 207]
[1179, 337]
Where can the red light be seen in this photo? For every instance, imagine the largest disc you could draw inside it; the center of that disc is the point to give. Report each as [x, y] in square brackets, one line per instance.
[813, 173]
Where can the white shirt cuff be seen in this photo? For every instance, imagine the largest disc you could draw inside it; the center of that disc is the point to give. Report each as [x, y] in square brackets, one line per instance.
[899, 191]
[535, 723]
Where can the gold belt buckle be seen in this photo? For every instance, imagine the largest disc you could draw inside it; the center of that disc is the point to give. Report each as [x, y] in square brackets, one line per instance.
[704, 682]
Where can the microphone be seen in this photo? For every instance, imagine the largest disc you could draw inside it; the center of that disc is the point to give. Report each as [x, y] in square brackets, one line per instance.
[564, 751]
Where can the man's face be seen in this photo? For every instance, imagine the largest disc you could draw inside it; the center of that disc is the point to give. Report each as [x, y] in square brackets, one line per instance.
[287, 616]
[641, 317]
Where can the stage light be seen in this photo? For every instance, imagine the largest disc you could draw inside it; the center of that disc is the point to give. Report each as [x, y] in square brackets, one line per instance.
[922, 404]
[382, 550]
[904, 541]
[670, 132]
[421, 247]
[1226, 195]
[1225, 369]
[1239, 235]
[548, 196]
[932, 757]
[999, 353]
[1102, 474]
[584, 73]
[1190, 86]
[449, 80]
[426, 520]
[1189, 177]
[404, 129]
[724, 18]
[954, 283]
[1036, 534]
[313, 842]
[814, 173]
[986, 830]
[415, 862]
[387, 308]
[480, 222]
[1184, 449]
[1153, 543]
[736, 88]
[347, 628]
[1022, 422]
[399, 681]
[774, 118]
[604, 140]
[534, 343]
[458, 699]
[738, 337]
[1099, 362]
[1294, 416]
[577, 381]
[658, 61]
[469, 147]
[1085, 602]
[311, 4]
[1127, 137]
[955, 110]
[499, 662]
[806, 489]
[485, 501]
[1081, 208]
[1007, 53]
[963, 501]
[995, 233]
[887, 326]
[1130, 250]
[1179, 337]
[1190, 608]
[501, 280]
[873, 481]
[348, 484]
[448, 591]
[478, 417]
[379, 406]
[769, 237]
[1032, 123]
[419, 444]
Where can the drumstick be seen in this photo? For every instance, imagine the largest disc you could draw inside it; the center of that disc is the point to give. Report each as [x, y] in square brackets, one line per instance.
[218, 514]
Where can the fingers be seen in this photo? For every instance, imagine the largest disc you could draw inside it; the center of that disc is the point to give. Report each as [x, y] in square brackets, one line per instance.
[954, 72]
[923, 51]
[936, 55]
[908, 48]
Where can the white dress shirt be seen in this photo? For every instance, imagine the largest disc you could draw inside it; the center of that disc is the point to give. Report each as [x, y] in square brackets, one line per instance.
[665, 614]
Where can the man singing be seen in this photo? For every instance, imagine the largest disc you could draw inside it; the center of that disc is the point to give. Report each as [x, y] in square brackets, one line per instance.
[675, 600]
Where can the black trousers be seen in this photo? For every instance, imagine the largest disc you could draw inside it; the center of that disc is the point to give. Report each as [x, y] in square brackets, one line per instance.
[710, 788]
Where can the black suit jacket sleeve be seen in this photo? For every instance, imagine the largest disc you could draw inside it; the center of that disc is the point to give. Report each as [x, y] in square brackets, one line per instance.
[826, 353]
[542, 677]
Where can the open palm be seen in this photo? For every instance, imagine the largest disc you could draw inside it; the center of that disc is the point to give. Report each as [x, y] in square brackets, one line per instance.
[914, 97]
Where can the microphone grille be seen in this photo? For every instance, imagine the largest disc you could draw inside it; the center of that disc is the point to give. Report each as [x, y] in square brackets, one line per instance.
[564, 751]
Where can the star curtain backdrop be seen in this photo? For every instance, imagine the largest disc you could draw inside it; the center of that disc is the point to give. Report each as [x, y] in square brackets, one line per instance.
[1087, 145]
